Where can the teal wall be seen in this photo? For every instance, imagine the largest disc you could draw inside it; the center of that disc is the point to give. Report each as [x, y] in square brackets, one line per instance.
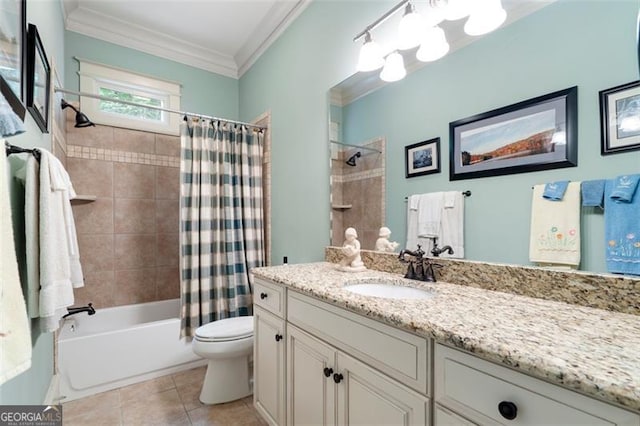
[584, 43]
[203, 92]
[31, 386]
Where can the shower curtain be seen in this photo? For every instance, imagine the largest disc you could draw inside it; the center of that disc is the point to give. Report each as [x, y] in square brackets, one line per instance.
[221, 220]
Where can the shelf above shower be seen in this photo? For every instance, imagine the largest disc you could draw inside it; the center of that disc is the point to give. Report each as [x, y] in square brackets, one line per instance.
[83, 199]
[341, 206]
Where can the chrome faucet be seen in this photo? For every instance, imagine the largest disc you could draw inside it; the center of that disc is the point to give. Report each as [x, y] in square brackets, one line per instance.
[420, 268]
[88, 309]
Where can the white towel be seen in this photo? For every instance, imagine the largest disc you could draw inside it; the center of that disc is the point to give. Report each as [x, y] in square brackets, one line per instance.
[453, 224]
[15, 337]
[60, 268]
[430, 214]
[555, 228]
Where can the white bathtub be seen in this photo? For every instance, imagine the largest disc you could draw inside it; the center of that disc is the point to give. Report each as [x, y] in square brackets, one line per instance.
[120, 346]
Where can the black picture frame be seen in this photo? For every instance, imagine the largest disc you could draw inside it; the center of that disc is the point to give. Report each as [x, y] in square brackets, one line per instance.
[620, 105]
[422, 158]
[13, 53]
[38, 79]
[536, 134]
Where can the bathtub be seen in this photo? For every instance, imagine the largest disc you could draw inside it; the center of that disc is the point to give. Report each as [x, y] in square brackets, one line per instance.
[120, 346]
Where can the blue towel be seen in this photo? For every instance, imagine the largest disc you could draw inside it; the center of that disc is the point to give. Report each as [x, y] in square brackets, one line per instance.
[554, 191]
[622, 231]
[593, 193]
[625, 187]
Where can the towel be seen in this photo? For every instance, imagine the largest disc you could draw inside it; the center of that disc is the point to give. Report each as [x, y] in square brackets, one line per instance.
[593, 193]
[624, 188]
[554, 191]
[450, 199]
[15, 336]
[622, 228]
[555, 227]
[60, 269]
[430, 214]
[453, 225]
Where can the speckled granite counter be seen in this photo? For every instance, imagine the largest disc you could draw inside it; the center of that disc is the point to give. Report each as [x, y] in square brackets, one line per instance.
[593, 351]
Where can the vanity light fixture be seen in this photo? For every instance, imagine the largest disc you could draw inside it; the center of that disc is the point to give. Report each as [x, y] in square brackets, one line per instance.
[434, 46]
[411, 29]
[485, 17]
[393, 68]
[371, 57]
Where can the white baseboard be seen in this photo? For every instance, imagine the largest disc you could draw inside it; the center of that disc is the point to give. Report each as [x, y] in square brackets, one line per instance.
[53, 392]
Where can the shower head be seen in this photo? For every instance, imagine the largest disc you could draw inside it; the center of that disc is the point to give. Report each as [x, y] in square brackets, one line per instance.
[352, 160]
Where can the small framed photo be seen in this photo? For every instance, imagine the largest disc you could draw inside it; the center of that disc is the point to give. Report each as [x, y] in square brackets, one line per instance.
[38, 79]
[422, 158]
[620, 118]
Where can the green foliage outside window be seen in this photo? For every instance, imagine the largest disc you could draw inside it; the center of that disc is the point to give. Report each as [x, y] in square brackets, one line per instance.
[130, 110]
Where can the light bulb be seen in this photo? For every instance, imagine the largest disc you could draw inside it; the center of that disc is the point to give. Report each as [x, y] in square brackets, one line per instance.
[485, 17]
[457, 9]
[393, 68]
[434, 46]
[370, 55]
[411, 29]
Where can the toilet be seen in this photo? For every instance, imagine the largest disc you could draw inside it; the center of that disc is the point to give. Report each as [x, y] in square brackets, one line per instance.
[228, 345]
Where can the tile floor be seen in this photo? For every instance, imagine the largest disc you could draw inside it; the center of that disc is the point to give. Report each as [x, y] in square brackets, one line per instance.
[169, 400]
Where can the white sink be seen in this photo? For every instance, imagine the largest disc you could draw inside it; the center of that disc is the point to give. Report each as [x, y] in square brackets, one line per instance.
[389, 291]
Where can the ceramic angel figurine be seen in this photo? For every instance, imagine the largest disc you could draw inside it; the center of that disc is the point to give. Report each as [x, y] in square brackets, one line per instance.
[352, 261]
[383, 243]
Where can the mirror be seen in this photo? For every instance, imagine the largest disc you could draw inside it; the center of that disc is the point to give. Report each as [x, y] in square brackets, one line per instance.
[519, 61]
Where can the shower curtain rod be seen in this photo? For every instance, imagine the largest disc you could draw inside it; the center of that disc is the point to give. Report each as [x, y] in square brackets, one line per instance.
[174, 111]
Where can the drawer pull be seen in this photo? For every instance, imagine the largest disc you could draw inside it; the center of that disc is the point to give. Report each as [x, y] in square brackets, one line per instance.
[508, 410]
[263, 296]
[338, 377]
[328, 372]
[278, 337]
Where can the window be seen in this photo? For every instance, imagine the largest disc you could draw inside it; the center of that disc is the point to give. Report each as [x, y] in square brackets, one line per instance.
[128, 86]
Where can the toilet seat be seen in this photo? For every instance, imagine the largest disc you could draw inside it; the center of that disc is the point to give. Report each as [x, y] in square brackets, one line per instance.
[226, 330]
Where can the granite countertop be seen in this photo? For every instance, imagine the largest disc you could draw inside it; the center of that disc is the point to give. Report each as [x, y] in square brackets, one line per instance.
[593, 351]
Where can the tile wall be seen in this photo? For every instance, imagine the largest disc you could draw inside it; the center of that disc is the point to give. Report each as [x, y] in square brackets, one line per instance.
[128, 236]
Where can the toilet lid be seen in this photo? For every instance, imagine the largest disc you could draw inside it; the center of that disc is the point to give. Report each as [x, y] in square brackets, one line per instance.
[226, 329]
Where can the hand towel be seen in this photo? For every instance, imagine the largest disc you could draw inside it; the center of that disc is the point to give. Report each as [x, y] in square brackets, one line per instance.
[15, 336]
[624, 188]
[593, 193]
[60, 268]
[453, 225]
[554, 191]
[555, 227]
[622, 228]
[430, 214]
[413, 239]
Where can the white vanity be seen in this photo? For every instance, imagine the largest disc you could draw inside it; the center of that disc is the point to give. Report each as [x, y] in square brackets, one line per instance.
[325, 355]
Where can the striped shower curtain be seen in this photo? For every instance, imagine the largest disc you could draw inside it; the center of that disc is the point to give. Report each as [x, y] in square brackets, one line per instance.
[221, 220]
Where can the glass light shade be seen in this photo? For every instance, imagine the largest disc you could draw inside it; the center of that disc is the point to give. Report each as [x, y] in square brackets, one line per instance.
[457, 9]
[393, 68]
[486, 17]
[370, 56]
[434, 46]
[411, 29]
[434, 14]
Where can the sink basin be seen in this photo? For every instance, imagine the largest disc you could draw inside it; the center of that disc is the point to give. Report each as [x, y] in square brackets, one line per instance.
[389, 291]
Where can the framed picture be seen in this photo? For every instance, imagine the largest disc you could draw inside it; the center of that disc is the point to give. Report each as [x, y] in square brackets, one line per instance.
[422, 158]
[12, 53]
[620, 118]
[38, 79]
[536, 134]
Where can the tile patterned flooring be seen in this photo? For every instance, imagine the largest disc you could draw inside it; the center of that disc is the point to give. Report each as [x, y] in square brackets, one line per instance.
[168, 400]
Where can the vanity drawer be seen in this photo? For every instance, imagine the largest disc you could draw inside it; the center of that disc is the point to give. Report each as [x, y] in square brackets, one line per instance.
[401, 355]
[475, 388]
[269, 296]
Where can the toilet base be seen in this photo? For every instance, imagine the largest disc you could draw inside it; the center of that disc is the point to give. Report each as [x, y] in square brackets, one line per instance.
[226, 380]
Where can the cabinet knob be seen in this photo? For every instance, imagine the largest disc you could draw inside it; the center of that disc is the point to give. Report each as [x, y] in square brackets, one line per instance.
[338, 377]
[328, 372]
[508, 410]
[278, 337]
[263, 295]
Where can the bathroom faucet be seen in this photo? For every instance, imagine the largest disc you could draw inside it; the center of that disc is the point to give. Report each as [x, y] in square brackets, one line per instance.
[420, 268]
[435, 251]
[88, 309]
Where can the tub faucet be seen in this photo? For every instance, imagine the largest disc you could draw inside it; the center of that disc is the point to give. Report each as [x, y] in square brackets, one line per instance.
[420, 268]
[88, 309]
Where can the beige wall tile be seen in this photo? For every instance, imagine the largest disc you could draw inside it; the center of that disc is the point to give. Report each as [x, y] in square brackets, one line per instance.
[168, 145]
[96, 137]
[134, 181]
[91, 177]
[96, 252]
[168, 283]
[99, 288]
[168, 250]
[95, 217]
[135, 216]
[168, 183]
[133, 251]
[133, 141]
[167, 216]
[135, 286]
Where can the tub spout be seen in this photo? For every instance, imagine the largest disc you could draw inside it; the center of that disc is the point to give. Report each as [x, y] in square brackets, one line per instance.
[89, 309]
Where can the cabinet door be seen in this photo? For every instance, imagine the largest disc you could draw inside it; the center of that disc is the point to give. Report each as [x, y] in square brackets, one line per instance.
[268, 366]
[310, 385]
[367, 397]
[444, 417]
